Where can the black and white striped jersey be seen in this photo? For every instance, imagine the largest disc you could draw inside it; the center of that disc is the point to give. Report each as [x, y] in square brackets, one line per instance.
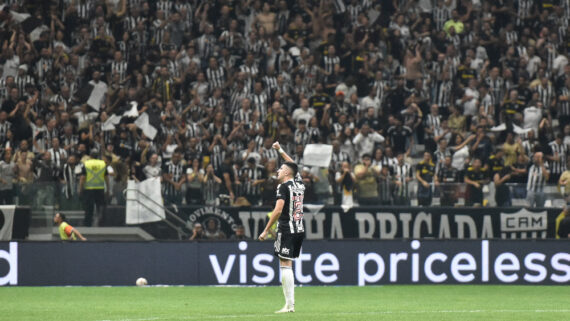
[177, 171]
[546, 94]
[496, 89]
[536, 178]
[216, 77]
[560, 150]
[291, 218]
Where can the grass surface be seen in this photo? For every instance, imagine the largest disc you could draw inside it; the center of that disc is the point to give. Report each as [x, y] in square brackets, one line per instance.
[439, 302]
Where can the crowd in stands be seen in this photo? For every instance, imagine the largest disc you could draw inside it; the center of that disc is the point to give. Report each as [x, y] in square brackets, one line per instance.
[196, 92]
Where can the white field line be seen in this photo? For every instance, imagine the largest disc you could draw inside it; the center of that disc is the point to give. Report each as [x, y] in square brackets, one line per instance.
[248, 316]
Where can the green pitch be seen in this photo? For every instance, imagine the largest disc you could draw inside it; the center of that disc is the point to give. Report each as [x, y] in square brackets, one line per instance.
[313, 303]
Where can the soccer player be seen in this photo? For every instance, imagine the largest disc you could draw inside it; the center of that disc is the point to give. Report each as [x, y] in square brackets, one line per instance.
[290, 230]
[66, 231]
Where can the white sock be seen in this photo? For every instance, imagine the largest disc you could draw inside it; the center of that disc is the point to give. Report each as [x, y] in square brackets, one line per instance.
[288, 283]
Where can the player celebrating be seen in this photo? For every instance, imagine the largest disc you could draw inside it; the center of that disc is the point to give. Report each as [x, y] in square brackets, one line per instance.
[290, 230]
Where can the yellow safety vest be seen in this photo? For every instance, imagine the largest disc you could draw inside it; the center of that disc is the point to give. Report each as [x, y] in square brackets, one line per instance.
[65, 232]
[95, 174]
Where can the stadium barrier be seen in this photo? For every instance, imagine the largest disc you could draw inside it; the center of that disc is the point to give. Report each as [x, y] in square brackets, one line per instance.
[331, 222]
[355, 262]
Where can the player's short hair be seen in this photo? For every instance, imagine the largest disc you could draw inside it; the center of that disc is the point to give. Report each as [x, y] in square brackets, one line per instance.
[294, 168]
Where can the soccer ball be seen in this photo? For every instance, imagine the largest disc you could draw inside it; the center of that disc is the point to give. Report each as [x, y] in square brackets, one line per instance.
[141, 282]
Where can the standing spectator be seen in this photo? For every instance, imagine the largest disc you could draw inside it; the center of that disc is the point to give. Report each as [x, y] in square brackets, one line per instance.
[153, 168]
[194, 179]
[425, 171]
[173, 177]
[252, 177]
[400, 138]
[346, 180]
[448, 179]
[475, 178]
[70, 179]
[538, 175]
[7, 175]
[366, 183]
[557, 158]
[211, 184]
[365, 139]
[385, 186]
[502, 190]
[403, 175]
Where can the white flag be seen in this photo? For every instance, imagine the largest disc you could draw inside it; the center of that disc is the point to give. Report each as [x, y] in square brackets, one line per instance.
[144, 209]
[317, 155]
[143, 123]
[111, 122]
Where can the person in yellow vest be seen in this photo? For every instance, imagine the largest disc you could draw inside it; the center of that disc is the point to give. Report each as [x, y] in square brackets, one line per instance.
[92, 186]
[66, 231]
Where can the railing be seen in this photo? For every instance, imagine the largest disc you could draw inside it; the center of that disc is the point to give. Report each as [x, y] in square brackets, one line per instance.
[179, 230]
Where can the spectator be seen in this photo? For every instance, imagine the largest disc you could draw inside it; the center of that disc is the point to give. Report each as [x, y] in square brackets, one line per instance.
[211, 185]
[425, 172]
[194, 178]
[403, 175]
[366, 184]
[365, 139]
[240, 234]
[198, 232]
[346, 180]
[173, 176]
[7, 175]
[475, 178]
[538, 175]
[448, 179]
[502, 190]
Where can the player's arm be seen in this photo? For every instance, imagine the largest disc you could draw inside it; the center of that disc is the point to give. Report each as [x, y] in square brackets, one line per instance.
[76, 232]
[274, 217]
[283, 154]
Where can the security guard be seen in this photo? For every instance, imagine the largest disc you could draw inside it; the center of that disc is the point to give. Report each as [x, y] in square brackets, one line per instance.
[92, 186]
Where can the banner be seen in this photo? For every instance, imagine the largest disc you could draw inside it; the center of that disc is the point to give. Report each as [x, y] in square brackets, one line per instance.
[317, 155]
[144, 202]
[331, 222]
[357, 262]
[6, 221]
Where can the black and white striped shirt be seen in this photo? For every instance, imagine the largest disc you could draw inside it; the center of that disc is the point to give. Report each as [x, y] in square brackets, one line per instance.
[251, 72]
[546, 95]
[242, 116]
[401, 172]
[496, 89]
[511, 37]
[270, 154]
[259, 103]
[58, 159]
[119, 67]
[249, 175]
[560, 150]
[329, 62]
[432, 122]
[536, 178]
[441, 93]
[523, 10]
[71, 178]
[4, 127]
[440, 16]
[21, 82]
[177, 171]
[302, 138]
[216, 78]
